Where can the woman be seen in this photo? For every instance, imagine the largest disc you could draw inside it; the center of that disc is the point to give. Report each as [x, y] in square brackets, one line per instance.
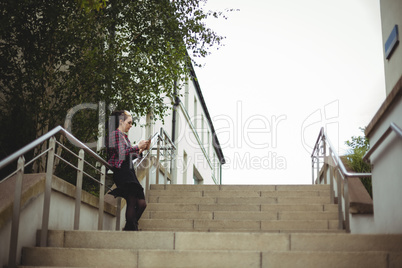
[120, 156]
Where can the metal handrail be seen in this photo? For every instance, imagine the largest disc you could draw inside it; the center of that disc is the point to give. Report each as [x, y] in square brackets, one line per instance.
[165, 134]
[317, 143]
[42, 139]
[336, 156]
[167, 144]
[26, 164]
[157, 137]
[47, 136]
[342, 166]
[333, 161]
[50, 152]
[392, 127]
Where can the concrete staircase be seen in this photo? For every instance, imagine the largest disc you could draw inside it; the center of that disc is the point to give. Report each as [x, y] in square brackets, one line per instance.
[225, 226]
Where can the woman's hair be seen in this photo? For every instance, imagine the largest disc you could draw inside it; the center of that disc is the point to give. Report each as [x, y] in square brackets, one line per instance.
[115, 117]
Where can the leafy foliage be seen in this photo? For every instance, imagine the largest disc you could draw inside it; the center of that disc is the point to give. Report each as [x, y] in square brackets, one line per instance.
[90, 5]
[358, 148]
[56, 54]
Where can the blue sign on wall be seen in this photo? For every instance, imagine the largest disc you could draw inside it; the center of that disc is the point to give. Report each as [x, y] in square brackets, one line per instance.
[392, 42]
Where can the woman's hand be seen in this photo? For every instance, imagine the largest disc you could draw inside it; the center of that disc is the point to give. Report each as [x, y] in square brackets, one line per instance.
[144, 145]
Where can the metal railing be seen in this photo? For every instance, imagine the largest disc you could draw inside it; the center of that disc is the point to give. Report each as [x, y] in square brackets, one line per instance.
[328, 166]
[165, 150]
[324, 157]
[50, 152]
[392, 127]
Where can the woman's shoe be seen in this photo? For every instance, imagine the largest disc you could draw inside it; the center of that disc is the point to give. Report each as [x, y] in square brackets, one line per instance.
[130, 227]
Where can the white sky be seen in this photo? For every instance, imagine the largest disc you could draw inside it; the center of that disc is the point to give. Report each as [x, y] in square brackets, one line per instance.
[288, 68]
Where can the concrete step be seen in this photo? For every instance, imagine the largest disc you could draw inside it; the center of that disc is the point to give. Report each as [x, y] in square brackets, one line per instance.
[241, 207]
[73, 257]
[327, 259]
[188, 187]
[241, 215]
[237, 193]
[274, 215]
[234, 225]
[221, 230]
[78, 257]
[311, 215]
[185, 187]
[225, 241]
[299, 207]
[174, 193]
[346, 242]
[177, 215]
[214, 249]
[141, 258]
[240, 200]
[299, 193]
[110, 239]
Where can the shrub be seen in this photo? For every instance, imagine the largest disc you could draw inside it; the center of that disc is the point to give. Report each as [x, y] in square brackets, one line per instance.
[358, 146]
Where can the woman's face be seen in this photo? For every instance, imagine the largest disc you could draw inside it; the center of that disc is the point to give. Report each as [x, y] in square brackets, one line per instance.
[127, 124]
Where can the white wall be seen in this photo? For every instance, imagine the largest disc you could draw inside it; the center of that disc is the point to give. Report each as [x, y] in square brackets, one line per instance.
[387, 174]
[362, 224]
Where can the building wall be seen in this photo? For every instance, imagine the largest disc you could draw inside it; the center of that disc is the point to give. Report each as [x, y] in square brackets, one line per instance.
[386, 160]
[387, 174]
[196, 160]
[391, 15]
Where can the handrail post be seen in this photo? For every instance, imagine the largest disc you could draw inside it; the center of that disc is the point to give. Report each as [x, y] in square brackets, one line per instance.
[325, 160]
[340, 213]
[331, 177]
[165, 156]
[346, 197]
[12, 259]
[148, 178]
[101, 197]
[312, 169]
[158, 151]
[78, 190]
[48, 192]
[318, 165]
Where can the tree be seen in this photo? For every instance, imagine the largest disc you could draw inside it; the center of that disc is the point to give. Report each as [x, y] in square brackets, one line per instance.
[55, 54]
[358, 147]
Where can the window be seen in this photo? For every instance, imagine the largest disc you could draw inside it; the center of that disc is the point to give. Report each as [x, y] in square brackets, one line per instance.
[197, 177]
[186, 94]
[195, 113]
[202, 130]
[184, 167]
[209, 143]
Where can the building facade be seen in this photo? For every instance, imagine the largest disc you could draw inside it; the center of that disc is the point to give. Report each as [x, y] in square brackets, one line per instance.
[198, 157]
